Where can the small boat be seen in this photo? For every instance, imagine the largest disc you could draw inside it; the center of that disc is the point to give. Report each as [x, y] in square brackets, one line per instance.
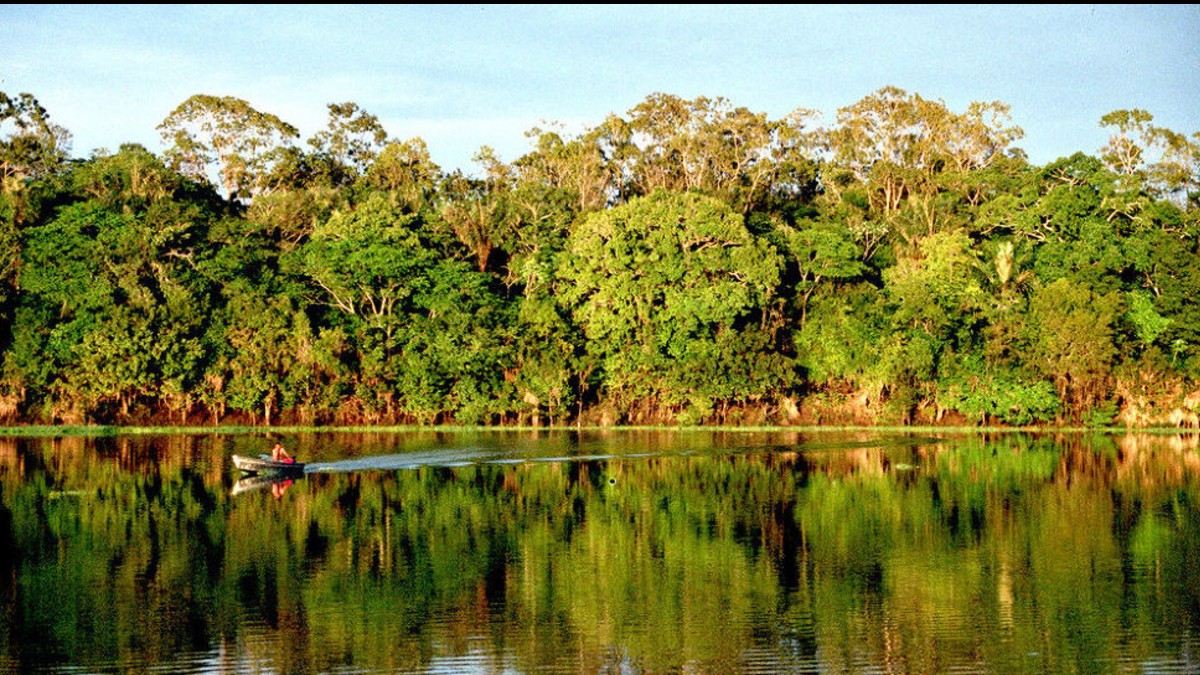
[263, 464]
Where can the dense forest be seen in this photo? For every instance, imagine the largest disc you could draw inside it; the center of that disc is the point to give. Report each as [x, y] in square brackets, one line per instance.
[688, 262]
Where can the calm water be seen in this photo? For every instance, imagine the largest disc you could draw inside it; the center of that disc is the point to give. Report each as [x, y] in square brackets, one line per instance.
[631, 552]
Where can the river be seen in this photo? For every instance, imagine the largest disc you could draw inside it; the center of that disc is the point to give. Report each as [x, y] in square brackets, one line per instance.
[603, 552]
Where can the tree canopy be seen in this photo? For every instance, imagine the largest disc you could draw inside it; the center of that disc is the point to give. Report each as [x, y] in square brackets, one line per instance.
[688, 261]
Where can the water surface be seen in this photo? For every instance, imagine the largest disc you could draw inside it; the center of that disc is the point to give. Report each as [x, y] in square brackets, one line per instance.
[631, 552]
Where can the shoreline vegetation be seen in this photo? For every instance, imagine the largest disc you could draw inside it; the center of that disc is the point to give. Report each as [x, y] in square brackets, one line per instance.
[685, 264]
[36, 431]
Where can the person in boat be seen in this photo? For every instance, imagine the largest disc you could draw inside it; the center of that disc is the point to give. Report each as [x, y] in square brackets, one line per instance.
[280, 455]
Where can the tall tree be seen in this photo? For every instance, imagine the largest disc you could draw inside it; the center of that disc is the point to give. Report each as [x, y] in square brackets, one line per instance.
[352, 139]
[898, 146]
[31, 145]
[365, 262]
[110, 288]
[711, 146]
[406, 171]
[1131, 134]
[578, 165]
[1164, 161]
[226, 133]
[474, 209]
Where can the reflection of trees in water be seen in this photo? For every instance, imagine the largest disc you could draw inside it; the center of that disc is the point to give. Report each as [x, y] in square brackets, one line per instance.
[971, 549]
[11, 459]
[1158, 461]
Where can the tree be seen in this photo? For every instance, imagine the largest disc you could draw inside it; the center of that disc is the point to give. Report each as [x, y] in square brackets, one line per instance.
[110, 286]
[10, 258]
[228, 133]
[843, 341]
[898, 146]
[454, 349]
[119, 359]
[352, 139]
[426, 327]
[1126, 148]
[822, 251]
[1168, 270]
[303, 188]
[365, 261]
[31, 145]
[406, 171]
[264, 337]
[710, 146]
[474, 210]
[1164, 161]
[935, 289]
[31, 148]
[577, 165]
[659, 286]
[1177, 173]
[1072, 339]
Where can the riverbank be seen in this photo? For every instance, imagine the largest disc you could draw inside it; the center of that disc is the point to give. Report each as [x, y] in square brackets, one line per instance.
[133, 430]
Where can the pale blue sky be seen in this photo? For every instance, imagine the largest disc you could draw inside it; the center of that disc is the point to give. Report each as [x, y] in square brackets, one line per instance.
[463, 76]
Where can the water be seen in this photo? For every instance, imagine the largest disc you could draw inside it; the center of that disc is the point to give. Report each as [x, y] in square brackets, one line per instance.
[605, 552]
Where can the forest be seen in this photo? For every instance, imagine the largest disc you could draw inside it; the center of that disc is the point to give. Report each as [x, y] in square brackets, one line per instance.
[687, 262]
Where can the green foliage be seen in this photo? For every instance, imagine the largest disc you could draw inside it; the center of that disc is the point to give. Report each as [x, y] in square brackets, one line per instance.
[116, 360]
[843, 337]
[428, 330]
[818, 252]
[654, 284]
[690, 261]
[1000, 397]
[1071, 338]
[62, 261]
[32, 359]
[824, 250]
[545, 348]
[406, 171]
[452, 353]
[366, 261]
[1101, 414]
[1147, 322]
[1094, 258]
[938, 287]
[227, 133]
[130, 181]
[110, 290]
[264, 336]
[352, 138]
[31, 146]
[1168, 269]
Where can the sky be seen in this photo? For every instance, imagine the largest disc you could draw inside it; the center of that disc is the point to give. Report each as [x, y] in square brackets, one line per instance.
[464, 76]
